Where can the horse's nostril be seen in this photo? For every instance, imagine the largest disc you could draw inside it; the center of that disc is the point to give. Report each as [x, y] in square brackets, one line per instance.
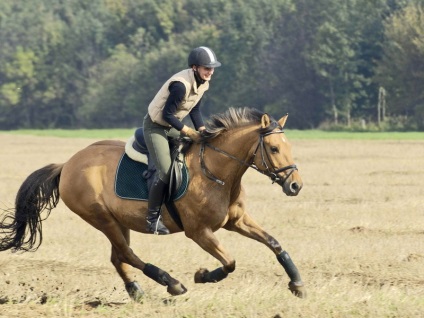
[294, 187]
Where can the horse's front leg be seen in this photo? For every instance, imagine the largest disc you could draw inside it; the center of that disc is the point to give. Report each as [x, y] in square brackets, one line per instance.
[207, 240]
[242, 223]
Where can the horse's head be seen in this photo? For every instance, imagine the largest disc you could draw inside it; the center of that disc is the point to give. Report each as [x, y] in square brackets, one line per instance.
[270, 154]
[273, 156]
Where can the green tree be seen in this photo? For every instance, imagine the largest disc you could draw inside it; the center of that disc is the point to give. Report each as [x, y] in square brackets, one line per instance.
[322, 59]
[110, 95]
[99, 63]
[20, 55]
[401, 70]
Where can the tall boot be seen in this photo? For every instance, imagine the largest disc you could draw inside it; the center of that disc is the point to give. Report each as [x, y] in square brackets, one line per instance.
[156, 196]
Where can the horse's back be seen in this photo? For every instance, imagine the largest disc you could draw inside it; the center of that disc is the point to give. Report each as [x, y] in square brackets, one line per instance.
[107, 143]
[101, 153]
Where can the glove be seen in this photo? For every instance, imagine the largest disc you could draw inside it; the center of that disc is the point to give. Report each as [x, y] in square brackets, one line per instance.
[205, 134]
[192, 134]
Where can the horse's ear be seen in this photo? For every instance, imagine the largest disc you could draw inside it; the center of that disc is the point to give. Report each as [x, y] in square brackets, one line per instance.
[283, 119]
[266, 121]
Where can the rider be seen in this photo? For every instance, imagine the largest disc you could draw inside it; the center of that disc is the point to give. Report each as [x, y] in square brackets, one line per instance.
[179, 96]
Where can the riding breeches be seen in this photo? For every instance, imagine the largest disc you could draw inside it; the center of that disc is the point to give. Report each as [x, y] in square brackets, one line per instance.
[156, 137]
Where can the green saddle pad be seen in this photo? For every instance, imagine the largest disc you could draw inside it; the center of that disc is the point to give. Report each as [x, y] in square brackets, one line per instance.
[130, 183]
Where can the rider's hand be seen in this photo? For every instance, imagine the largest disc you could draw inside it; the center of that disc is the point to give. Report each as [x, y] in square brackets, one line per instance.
[191, 133]
[205, 134]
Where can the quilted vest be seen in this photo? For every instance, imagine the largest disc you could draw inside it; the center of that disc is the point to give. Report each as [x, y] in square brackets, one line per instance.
[191, 98]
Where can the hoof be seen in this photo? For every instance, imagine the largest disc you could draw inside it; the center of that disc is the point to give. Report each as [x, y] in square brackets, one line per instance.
[134, 291]
[199, 276]
[297, 289]
[177, 289]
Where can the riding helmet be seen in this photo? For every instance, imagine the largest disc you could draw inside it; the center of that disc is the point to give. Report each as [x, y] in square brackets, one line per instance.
[203, 56]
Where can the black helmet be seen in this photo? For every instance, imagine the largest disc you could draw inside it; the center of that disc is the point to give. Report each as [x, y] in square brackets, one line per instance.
[203, 56]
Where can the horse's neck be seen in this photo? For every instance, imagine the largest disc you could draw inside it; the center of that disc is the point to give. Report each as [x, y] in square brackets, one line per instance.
[239, 143]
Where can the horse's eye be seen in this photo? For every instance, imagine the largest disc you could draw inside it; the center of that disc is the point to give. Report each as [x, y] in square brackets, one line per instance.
[274, 149]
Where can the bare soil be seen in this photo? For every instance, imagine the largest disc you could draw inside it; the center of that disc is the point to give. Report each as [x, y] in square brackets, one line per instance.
[355, 232]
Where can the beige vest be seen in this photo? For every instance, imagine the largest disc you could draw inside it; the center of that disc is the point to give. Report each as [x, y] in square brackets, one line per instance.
[191, 98]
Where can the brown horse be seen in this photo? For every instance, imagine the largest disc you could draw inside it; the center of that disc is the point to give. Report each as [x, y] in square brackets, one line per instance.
[238, 139]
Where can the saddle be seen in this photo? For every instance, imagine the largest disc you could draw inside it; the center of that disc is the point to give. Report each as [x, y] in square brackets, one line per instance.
[136, 152]
[136, 149]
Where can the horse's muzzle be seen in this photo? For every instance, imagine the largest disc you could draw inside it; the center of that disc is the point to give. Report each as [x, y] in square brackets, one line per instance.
[292, 187]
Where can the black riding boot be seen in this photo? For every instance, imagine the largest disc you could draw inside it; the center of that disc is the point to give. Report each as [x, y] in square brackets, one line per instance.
[156, 195]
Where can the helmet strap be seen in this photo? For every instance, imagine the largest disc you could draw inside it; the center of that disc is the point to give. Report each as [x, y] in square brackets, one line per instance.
[199, 81]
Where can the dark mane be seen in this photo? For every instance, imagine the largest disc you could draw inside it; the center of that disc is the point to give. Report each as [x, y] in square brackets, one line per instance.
[234, 118]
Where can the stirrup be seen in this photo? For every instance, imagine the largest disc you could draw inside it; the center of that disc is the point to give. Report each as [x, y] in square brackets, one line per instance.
[157, 227]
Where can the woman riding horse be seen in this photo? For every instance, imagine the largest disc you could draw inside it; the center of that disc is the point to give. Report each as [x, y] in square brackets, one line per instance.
[179, 96]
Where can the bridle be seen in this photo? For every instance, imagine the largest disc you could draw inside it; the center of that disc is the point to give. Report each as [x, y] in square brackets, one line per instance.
[271, 173]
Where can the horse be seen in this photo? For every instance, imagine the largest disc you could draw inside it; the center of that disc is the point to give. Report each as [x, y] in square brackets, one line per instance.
[215, 198]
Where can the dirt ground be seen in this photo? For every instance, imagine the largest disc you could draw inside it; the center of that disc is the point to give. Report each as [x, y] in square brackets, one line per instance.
[355, 232]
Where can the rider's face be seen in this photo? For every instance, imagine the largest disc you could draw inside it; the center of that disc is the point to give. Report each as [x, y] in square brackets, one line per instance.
[205, 73]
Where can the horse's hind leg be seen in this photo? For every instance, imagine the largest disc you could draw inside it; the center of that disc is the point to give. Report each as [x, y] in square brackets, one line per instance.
[124, 270]
[242, 223]
[124, 254]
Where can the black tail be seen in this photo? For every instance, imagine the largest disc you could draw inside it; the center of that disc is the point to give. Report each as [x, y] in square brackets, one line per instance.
[20, 228]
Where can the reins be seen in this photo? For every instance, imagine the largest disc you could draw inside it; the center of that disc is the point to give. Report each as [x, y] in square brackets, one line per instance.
[272, 174]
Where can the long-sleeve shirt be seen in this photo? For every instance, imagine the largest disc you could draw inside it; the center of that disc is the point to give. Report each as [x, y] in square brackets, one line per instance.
[177, 92]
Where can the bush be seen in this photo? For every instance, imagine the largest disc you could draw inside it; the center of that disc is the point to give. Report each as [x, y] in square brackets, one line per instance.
[393, 123]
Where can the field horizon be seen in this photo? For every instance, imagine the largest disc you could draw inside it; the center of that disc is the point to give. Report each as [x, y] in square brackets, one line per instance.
[312, 134]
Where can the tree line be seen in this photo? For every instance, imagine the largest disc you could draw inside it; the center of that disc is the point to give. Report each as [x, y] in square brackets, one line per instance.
[98, 63]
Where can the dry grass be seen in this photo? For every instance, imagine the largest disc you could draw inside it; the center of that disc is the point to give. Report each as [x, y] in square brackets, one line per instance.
[356, 233]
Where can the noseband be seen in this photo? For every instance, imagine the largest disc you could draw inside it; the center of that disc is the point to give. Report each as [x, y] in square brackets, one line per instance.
[271, 173]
